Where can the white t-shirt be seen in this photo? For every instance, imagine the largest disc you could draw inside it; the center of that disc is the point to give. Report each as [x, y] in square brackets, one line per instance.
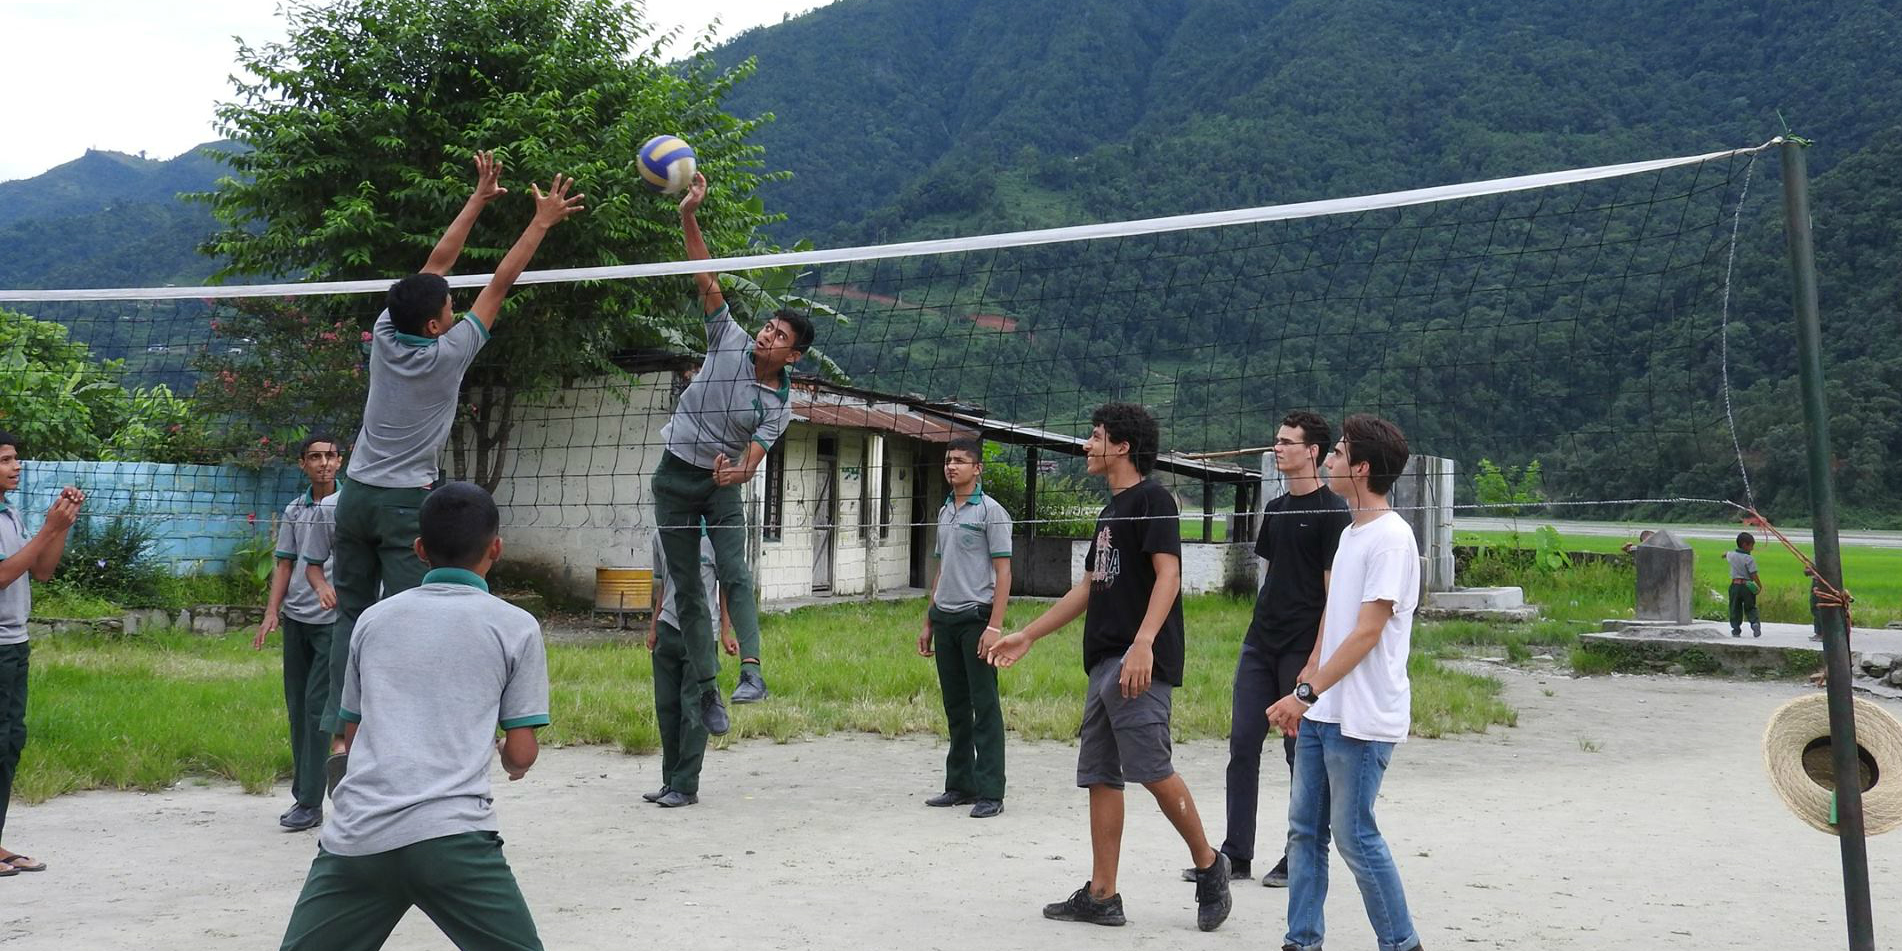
[1378, 561]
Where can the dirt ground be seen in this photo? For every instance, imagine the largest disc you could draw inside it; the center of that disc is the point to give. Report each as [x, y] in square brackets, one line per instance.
[1626, 812]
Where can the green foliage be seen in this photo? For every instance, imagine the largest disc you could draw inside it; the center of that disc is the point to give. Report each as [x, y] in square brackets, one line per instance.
[252, 564]
[360, 129]
[278, 375]
[1589, 662]
[1066, 506]
[1510, 491]
[113, 558]
[66, 405]
[1550, 555]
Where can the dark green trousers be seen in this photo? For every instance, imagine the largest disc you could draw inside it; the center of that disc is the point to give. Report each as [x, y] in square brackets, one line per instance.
[376, 557]
[306, 693]
[683, 495]
[1743, 604]
[975, 763]
[13, 658]
[462, 882]
[683, 739]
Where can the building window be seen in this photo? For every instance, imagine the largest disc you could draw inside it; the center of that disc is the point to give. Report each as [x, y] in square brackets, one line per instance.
[774, 518]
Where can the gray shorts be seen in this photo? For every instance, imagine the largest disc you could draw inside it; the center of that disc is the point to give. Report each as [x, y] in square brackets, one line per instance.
[1123, 739]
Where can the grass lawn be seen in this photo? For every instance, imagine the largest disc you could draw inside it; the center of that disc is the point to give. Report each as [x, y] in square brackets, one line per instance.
[141, 712]
[1873, 575]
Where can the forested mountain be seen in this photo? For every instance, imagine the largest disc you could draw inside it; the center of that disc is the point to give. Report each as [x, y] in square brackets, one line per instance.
[106, 219]
[906, 119]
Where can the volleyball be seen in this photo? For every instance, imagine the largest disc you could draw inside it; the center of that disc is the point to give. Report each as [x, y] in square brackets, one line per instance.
[667, 164]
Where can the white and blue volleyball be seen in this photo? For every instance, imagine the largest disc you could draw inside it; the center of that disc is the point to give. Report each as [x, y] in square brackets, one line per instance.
[667, 164]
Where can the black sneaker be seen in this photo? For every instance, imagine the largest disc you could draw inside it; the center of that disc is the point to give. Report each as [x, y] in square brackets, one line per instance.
[1082, 907]
[1277, 877]
[951, 797]
[1237, 871]
[1211, 894]
[986, 808]
[712, 714]
[658, 794]
[675, 799]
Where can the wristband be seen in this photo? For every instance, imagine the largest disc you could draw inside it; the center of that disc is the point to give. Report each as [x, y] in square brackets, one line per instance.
[993, 627]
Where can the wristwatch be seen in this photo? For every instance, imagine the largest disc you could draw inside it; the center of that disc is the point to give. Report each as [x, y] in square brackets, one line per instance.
[1304, 692]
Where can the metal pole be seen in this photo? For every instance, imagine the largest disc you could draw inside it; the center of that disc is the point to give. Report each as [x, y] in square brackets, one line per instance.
[1842, 710]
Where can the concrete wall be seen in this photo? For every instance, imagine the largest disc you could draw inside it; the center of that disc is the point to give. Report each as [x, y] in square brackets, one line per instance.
[575, 495]
[202, 513]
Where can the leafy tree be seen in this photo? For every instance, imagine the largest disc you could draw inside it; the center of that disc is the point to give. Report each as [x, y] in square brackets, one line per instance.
[360, 128]
[276, 374]
[65, 405]
[1509, 491]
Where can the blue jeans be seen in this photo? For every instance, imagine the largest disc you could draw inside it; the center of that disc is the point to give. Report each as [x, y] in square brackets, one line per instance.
[1335, 781]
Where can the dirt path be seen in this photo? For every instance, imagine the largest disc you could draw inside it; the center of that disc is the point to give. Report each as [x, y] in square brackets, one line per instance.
[1667, 837]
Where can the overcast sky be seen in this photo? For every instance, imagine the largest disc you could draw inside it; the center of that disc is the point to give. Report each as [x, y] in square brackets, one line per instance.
[139, 75]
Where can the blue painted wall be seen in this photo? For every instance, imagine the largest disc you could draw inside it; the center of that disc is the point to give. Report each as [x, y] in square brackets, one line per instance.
[202, 513]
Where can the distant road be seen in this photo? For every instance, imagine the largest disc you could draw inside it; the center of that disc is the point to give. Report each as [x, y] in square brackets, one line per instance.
[1630, 530]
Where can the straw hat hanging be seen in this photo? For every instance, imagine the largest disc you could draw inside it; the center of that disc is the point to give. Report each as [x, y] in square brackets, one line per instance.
[1796, 750]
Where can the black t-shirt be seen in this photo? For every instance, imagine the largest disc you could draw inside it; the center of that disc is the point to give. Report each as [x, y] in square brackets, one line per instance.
[1138, 522]
[1298, 537]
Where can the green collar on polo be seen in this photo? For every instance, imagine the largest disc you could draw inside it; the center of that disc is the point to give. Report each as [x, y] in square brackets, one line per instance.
[455, 576]
[977, 496]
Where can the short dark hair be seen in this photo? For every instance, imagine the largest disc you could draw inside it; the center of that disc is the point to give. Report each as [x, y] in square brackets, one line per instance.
[967, 444]
[802, 330]
[315, 438]
[1380, 444]
[1745, 538]
[1313, 426]
[1131, 424]
[9, 439]
[415, 300]
[457, 522]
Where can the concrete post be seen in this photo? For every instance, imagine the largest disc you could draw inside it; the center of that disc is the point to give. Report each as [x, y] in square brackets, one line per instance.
[1665, 576]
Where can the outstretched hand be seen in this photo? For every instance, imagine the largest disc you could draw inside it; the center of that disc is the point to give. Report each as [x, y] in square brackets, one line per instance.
[554, 207]
[488, 178]
[1008, 650]
[696, 193]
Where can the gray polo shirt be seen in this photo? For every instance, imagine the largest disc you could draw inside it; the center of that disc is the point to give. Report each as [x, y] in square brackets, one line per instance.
[969, 536]
[304, 536]
[668, 615]
[726, 406]
[16, 599]
[433, 671]
[1742, 564]
[412, 403]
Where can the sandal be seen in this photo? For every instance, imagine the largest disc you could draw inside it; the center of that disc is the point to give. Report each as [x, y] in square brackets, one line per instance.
[21, 863]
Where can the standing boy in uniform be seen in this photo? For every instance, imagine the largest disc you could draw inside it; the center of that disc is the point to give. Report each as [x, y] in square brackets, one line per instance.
[434, 672]
[1744, 585]
[308, 609]
[683, 739]
[967, 603]
[1131, 599]
[23, 560]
